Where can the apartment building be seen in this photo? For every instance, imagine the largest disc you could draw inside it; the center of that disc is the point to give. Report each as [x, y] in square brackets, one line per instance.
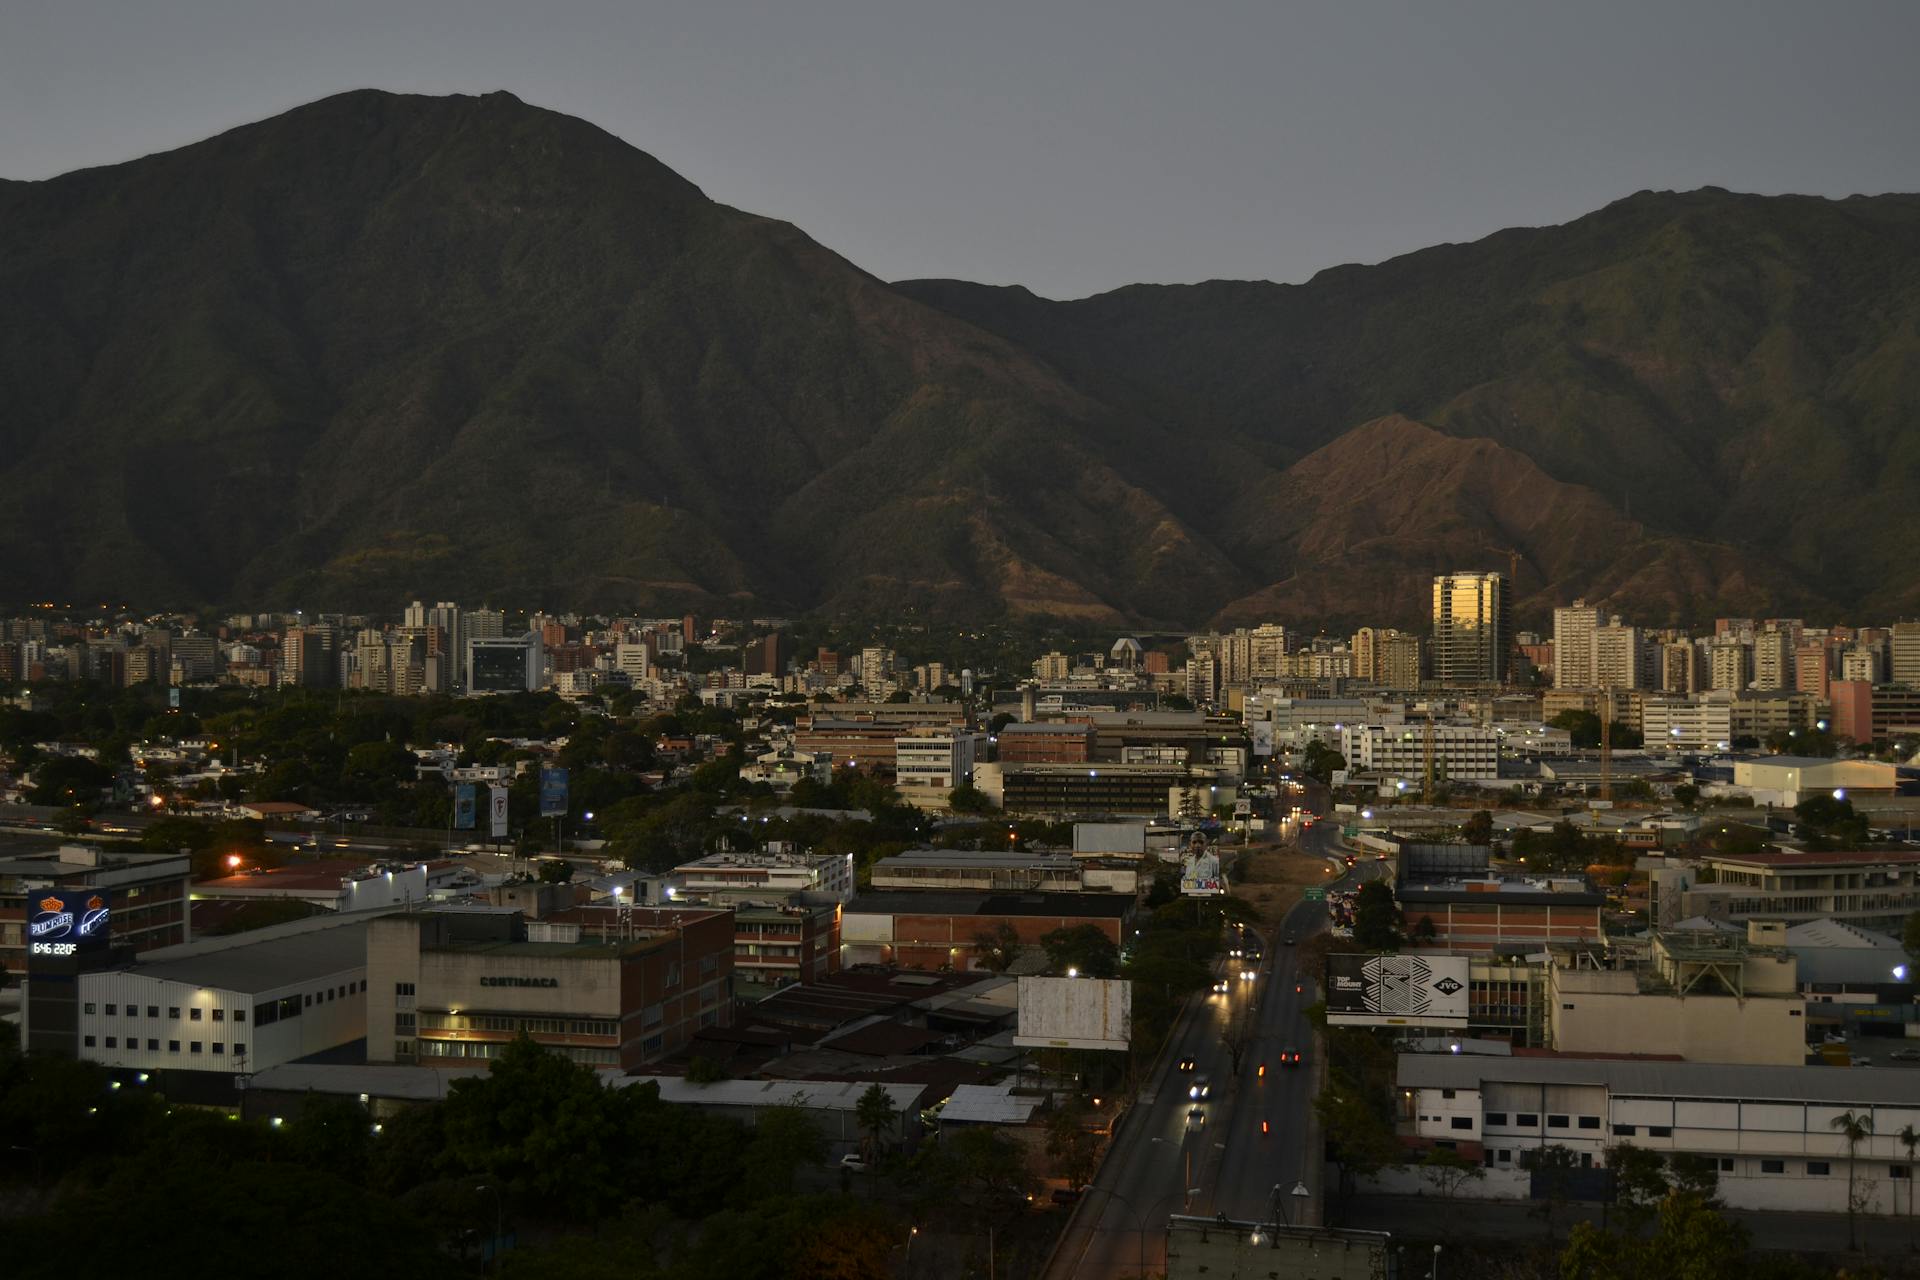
[1873, 890]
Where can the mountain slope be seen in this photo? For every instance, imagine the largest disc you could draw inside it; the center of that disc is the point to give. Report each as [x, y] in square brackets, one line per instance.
[384, 344]
[1735, 368]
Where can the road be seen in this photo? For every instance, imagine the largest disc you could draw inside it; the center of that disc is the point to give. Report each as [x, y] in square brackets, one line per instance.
[1226, 1163]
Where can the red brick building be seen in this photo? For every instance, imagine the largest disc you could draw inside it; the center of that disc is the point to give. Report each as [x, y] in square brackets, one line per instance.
[1044, 742]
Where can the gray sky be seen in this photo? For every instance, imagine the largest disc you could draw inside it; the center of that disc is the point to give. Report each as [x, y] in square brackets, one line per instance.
[1072, 146]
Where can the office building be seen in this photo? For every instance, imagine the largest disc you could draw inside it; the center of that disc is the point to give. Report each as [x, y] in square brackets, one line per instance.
[929, 764]
[1461, 753]
[1266, 652]
[1903, 654]
[1874, 890]
[1729, 665]
[503, 665]
[1813, 670]
[614, 987]
[724, 878]
[1471, 628]
[1451, 895]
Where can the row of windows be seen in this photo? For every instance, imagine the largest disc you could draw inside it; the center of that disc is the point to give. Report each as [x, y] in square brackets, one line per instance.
[173, 1046]
[1531, 1120]
[173, 1012]
[509, 1023]
[595, 1057]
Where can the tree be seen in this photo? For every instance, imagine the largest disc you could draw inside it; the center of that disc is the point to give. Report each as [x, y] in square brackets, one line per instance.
[988, 1159]
[556, 871]
[1478, 828]
[1686, 794]
[1321, 761]
[1694, 1175]
[1083, 948]
[785, 1139]
[1376, 919]
[1692, 1242]
[1074, 1149]
[1639, 1183]
[1449, 1169]
[1583, 726]
[997, 946]
[1855, 1129]
[969, 799]
[1552, 1168]
[1910, 1139]
[704, 1070]
[1362, 1138]
[876, 1115]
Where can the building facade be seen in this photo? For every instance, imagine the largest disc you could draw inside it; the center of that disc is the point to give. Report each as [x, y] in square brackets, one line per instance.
[1472, 626]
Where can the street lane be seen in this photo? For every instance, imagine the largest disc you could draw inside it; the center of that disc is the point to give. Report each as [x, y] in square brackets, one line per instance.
[1119, 1229]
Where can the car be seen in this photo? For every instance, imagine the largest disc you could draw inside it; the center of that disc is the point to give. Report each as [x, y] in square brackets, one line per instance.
[1200, 1088]
[1220, 987]
[853, 1163]
[1186, 1064]
[1905, 1055]
[1287, 941]
[1289, 1057]
[1196, 1118]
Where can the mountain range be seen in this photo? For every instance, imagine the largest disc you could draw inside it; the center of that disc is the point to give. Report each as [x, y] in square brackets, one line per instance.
[385, 346]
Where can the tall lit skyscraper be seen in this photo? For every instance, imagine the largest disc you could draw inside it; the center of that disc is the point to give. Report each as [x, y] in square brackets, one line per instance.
[1471, 625]
[1573, 628]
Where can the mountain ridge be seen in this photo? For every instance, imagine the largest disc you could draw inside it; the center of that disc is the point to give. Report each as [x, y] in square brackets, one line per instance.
[386, 345]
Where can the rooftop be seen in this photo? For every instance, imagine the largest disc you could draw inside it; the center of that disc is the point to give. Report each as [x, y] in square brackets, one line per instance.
[414, 1084]
[1095, 906]
[298, 877]
[973, 858]
[1717, 1081]
[265, 960]
[812, 1095]
[1825, 858]
[987, 1104]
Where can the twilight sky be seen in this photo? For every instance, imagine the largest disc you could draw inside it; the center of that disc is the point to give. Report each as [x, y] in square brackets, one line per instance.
[1072, 146]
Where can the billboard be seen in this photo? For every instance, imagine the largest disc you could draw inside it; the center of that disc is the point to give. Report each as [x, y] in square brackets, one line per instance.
[1200, 874]
[1396, 991]
[464, 797]
[64, 926]
[497, 811]
[553, 793]
[1261, 732]
[1075, 1013]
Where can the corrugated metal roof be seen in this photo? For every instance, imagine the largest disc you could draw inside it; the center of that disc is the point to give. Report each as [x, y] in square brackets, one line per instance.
[987, 1104]
[1835, 1086]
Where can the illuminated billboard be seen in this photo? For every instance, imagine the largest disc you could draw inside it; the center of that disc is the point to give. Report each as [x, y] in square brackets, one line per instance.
[64, 926]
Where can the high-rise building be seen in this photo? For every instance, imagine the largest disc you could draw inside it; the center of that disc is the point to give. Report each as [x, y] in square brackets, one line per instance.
[1618, 660]
[1052, 666]
[486, 624]
[307, 657]
[1267, 652]
[445, 617]
[1679, 667]
[1396, 660]
[1471, 626]
[503, 665]
[1904, 654]
[1729, 664]
[1773, 660]
[1812, 670]
[1366, 661]
[1860, 663]
[1573, 629]
[1203, 679]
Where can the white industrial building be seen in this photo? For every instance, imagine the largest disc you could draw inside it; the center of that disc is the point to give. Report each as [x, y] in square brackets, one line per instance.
[231, 1005]
[770, 876]
[1461, 752]
[1787, 780]
[1767, 1129]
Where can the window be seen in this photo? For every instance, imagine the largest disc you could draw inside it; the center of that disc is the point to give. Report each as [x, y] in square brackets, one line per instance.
[1463, 1122]
[404, 1022]
[1445, 1093]
[112, 1009]
[1659, 1131]
[173, 1046]
[193, 1015]
[1726, 1164]
[1496, 1118]
[153, 1046]
[1506, 1157]
[239, 1049]
[1527, 1120]
[219, 1015]
[173, 1011]
[403, 988]
[193, 1046]
[219, 1046]
[133, 1011]
[1557, 1122]
[1773, 1166]
[153, 1011]
[1900, 1171]
[1624, 1130]
[87, 1041]
[239, 1015]
[112, 1043]
[1566, 1006]
[306, 1001]
[1818, 1168]
[267, 1014]
[1589, 1122]
[89, 1007]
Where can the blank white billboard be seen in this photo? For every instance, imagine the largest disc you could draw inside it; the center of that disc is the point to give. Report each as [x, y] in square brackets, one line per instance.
[1075, 1013]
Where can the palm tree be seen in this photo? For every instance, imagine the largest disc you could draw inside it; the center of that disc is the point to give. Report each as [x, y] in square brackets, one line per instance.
[876, 1115]
[1910, 1139]
[1855, 1129]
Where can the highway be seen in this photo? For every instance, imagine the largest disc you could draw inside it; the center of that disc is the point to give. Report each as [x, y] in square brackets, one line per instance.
[1161, 1163]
